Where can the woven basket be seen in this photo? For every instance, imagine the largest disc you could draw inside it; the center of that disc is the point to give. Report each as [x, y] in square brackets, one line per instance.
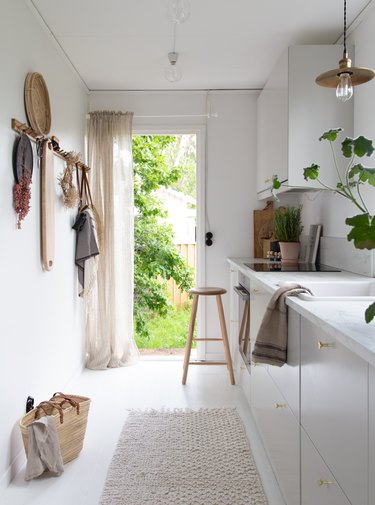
[70, 413]
[37, 103]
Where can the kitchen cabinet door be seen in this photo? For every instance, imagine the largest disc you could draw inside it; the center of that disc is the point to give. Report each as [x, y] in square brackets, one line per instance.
[334, 408]
[272, 139]
[244, 378]
[287, 376]
[318, 485]
[279, 430]
[313, 110]
[372, 433]
[293, 112]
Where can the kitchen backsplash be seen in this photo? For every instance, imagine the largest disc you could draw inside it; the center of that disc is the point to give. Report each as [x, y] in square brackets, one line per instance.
[339, 252]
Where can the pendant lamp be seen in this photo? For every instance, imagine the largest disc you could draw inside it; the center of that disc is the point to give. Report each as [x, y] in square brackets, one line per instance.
[346, 76]
[172, 72]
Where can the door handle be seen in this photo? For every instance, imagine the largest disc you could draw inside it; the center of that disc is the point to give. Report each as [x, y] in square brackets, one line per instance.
[323, 345]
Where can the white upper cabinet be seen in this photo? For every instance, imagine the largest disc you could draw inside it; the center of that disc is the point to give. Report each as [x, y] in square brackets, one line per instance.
[293, 112]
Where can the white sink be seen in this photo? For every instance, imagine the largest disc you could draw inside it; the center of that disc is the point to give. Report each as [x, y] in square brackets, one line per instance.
[339, 290]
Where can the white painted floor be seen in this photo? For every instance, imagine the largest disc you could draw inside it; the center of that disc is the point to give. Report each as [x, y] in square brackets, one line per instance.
[150, 384]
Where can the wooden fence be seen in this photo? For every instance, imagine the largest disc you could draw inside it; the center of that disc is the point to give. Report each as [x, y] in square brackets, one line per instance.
[177, 297]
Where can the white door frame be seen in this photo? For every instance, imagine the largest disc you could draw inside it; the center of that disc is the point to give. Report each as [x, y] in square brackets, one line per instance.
[200, 132]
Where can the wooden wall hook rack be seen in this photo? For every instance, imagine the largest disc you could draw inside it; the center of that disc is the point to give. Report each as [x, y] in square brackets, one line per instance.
[53, 142]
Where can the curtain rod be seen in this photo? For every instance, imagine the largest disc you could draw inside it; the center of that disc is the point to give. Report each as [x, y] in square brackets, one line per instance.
[208, 115]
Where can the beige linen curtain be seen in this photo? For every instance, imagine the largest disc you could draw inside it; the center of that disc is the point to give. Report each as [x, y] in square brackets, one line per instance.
[109, 306]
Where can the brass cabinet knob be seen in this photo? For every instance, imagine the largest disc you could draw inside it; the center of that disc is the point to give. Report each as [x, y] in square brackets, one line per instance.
[255, 290]
[323, 482]
[323, 345]
[280, 406]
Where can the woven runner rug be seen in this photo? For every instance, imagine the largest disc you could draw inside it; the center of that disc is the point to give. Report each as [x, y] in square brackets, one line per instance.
[183, 457]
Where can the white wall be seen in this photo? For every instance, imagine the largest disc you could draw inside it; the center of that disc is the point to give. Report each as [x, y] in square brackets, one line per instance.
[230, 171]
[41, 319]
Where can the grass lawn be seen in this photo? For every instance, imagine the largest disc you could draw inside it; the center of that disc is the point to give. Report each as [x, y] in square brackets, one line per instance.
[168, 332]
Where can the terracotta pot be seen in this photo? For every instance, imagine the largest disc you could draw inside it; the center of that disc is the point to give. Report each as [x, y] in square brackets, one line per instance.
[289, 251]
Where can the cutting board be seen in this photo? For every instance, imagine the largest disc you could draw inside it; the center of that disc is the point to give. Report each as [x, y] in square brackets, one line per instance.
[47, 204]
[263, 228]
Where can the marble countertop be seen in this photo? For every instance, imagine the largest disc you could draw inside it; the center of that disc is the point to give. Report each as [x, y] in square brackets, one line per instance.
[343, 320]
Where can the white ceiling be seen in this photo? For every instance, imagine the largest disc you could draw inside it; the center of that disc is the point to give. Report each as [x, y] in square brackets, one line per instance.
[225, 44]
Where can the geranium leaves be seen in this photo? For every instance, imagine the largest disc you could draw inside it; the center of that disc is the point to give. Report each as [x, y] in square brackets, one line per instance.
[331, 135]
[276, 184]
[363, 231]
[365, 174]
[311, 172]
[370, 313]
[360, 146]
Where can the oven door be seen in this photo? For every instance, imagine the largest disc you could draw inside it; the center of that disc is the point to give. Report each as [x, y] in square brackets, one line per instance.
[242, 291]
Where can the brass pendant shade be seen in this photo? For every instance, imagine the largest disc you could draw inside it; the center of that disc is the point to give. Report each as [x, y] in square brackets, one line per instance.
[345, 77]
[358, 75]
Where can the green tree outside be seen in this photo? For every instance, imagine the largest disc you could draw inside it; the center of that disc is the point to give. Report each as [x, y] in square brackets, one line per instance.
[156, 259]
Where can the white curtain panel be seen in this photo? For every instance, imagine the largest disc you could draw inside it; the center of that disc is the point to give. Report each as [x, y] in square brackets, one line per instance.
[109, 307]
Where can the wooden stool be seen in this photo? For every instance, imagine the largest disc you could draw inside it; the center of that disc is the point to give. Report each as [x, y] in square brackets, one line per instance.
[207, 292]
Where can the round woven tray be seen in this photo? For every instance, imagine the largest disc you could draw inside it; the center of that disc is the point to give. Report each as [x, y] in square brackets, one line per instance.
[37, 103]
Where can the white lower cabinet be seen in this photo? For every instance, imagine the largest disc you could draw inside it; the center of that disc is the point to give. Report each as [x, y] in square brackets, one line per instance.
[318, 486]
[334, 408]
[243, 377]
[316, 418]
[279, 430]
[372, 435]
[287, 376]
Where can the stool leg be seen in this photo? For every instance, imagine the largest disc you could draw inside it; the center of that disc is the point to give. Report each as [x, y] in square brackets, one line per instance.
[225, 338]
[189, 340]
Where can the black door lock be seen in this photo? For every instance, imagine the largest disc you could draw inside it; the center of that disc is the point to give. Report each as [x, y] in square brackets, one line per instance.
[209, 236]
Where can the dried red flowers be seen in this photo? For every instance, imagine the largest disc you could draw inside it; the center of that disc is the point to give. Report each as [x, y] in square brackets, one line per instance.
[22, 196]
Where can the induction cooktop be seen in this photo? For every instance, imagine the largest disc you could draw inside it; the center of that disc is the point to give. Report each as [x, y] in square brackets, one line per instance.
[278, 266]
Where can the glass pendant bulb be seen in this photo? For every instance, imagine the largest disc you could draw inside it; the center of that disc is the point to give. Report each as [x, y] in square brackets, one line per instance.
[172, 72]
[344, 90]
[178, 11]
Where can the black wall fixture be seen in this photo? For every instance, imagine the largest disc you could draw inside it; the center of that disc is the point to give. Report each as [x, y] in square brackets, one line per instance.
[209, 237]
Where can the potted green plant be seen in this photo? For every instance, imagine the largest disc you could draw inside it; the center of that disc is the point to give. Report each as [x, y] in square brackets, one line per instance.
[288, 228]
[349, 186]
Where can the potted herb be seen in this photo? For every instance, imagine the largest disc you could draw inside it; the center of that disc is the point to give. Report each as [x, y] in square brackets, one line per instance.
[288, 228]
[349, 186]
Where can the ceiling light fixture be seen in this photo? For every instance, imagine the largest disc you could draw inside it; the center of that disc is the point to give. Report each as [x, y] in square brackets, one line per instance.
[172, 71]
[346, 76]
[178, 11]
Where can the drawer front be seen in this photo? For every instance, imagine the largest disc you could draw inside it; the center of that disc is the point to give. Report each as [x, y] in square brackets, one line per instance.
[334, 409]
[287, 376]
[280, 432]
[318, 486]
